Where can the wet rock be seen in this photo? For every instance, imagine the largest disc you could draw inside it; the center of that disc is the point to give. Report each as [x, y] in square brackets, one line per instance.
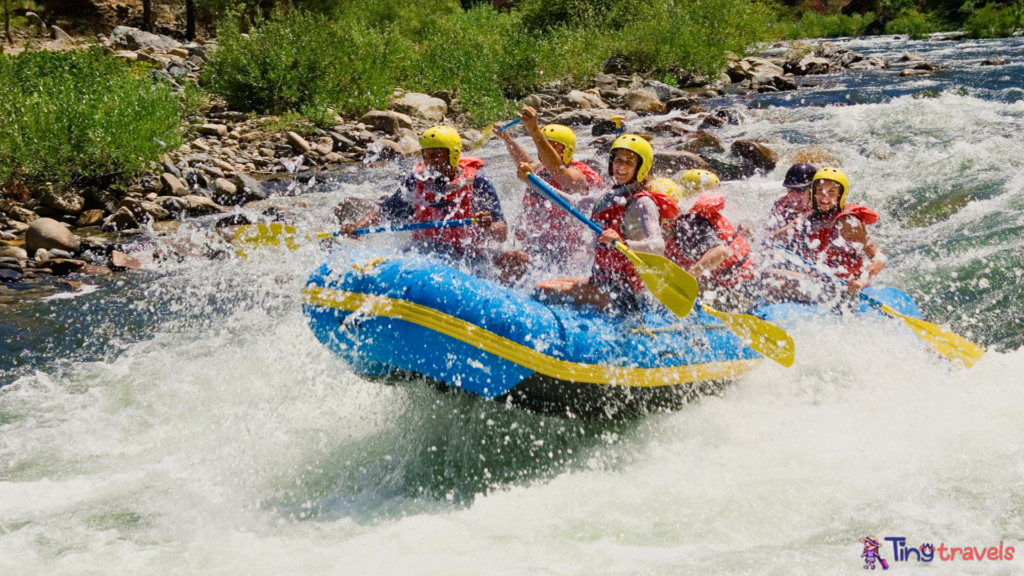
[21, 214]
[911, 58]
[123, 219]
[298, 143]
[755, 154]
[57, 254]
[10, 263]
[995, 60]
[9, 275]
[95, 244]
[873, 63]
[422, 106]
[910, 72]
[342, 143]
[683, 103]
[17, 226]
[143, 210]
[135, 39]
[202, 206]
[213, 130]
[224, 192]
[711, 122]
[98, 199]
[809, 65]
[669, 161]
[925, 66]
[15, 252]
[387, 121]
[701, 140]
[642, 100]
[173, 204]
[324, 145]
[349, 210]
[663, 91]
[47, 233]
[212, 170]
[64, 266]
[171, 186]
[122, 261]
[250, 188]
[63, 199]
[588, 117]
[91, 270]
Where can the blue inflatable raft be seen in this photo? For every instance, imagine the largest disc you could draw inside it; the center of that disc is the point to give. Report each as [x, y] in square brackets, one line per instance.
[411, 318]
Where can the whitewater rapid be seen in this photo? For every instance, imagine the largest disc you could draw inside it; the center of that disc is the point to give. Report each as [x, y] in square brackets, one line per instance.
[185, 420]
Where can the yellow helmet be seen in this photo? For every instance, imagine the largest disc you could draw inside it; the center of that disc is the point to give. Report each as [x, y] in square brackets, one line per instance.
[443, 137]
[696, 181]
[668, 187]
[836, 175]
[640, 147]
[564, 136]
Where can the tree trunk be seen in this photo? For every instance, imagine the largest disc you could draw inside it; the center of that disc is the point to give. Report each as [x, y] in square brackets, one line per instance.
[190, 20]
[7, 22]
[147, 15]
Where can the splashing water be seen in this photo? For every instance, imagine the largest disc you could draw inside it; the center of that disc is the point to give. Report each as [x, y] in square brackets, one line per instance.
[186, 420]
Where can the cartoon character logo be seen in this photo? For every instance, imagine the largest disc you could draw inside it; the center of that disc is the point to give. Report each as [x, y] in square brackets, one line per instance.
[870, 554]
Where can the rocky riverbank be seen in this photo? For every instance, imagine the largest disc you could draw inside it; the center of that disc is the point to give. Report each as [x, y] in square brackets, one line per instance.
[59, 233]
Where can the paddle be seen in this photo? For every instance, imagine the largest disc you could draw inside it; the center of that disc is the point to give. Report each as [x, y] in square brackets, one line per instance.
[273, 234]
[670, 284]
[488, 132]
[677, 289]
[950, 345]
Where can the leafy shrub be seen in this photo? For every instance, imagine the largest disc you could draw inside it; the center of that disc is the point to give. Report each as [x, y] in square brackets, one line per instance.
[994, 21]
[81, 115]
[914, 23]
[814, 25]
[300, 60]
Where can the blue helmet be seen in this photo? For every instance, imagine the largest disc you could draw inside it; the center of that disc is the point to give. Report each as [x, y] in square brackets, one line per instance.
[799, 176]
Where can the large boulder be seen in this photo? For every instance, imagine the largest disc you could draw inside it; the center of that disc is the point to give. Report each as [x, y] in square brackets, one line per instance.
[135, 39]
[642, 100]
[63, 199]
[670, 161]
[387, 121]
[663, 91]
[755, 154]
[809, 65]
[47, 233]
[421, 106]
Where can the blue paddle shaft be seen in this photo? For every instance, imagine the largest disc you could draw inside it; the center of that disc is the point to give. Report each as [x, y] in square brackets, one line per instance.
[511, 124]
[545, 190]
[417, 226]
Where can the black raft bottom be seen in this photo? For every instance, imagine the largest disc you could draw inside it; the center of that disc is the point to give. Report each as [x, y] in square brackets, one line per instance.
[552, 397]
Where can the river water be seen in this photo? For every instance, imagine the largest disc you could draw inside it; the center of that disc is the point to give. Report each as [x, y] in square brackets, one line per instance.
[185, 420]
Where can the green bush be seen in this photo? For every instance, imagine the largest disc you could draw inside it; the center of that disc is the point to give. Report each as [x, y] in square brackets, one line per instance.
[814, 25]
[994, 21]
[351, 61]
[81, 114]
[914, 23]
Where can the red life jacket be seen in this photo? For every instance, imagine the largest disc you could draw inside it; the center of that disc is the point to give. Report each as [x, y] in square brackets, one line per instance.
[550, 226]
[454, 205]
[822, 242]
[737, 266]
[609, 214]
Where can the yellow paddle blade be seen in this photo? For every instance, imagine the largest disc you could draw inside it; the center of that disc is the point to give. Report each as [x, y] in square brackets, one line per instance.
[767, 339]
[254, 235]
[670, 284]
[948, 344]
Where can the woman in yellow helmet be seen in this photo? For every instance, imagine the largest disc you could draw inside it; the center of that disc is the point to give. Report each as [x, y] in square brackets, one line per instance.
[834, 234]
[631, 213]
[445, 185]
[544, 230]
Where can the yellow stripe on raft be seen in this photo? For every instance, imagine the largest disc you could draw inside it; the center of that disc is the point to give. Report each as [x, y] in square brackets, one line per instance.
[519, 354]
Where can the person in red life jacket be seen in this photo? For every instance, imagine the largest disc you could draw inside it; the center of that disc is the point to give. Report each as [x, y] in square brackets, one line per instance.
[445, 186]
[704, 242]
[544, 230]
[797, 199]
[629, 213]
[834, 234]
